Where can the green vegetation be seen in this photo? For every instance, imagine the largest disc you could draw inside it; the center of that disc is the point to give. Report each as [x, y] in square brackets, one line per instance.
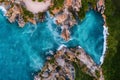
[40, 0]
[26, 14]
[41, 15]
[111, 66]
[52, 60]
[2, 0]
[85, 7]
[58, 3]
[79, 74]
[97, 73]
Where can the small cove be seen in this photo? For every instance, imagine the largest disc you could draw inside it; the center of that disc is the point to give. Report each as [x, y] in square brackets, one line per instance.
[23, 50]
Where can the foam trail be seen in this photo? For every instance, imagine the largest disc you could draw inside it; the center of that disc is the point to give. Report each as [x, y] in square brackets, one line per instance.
[48, 15]
[56, 36]
[3, 10]
[30, 29]
[36, 62]
[79, 47]
[105, 33]
[61, 46]
[49, 52]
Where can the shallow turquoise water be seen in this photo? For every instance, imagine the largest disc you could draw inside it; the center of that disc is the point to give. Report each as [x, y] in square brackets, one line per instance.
[89, 35]
[23, 50]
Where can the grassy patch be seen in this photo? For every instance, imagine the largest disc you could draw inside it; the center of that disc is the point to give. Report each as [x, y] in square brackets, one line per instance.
[26, 14]
[111, 66]
[52, 60]
[85, 7]
[79, 75]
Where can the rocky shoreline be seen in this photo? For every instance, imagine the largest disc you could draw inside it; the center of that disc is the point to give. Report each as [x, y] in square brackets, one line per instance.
[60, 66]
[63, 16]
[16, 11]
[66, 56]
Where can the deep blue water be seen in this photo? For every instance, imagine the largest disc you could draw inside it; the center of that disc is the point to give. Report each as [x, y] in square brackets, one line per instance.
[23, 50]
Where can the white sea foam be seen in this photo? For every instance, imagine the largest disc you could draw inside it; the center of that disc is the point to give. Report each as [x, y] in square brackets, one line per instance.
[105, 33]
[61, 46]
[54, 20]
[3, 10]
[36, 63]
[79, 47]
[49, 52]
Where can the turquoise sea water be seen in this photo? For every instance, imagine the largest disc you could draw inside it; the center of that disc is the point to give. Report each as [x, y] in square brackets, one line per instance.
[89, 35]
[23, 50]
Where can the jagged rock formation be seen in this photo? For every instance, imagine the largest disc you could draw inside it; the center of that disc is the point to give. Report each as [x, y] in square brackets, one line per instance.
[101, 6]
[16, 10]
[66, 19]
[60, 67]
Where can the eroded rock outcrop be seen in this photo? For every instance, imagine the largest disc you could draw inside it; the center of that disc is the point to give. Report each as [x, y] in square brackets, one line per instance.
[101, 6]
[60, 67]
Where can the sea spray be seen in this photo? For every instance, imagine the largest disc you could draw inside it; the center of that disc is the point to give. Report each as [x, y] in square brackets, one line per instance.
[3, 10]
[105, 33]
[35, 62]
[55, 29]
[89, 35]
[61, 46]
[30, 28]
